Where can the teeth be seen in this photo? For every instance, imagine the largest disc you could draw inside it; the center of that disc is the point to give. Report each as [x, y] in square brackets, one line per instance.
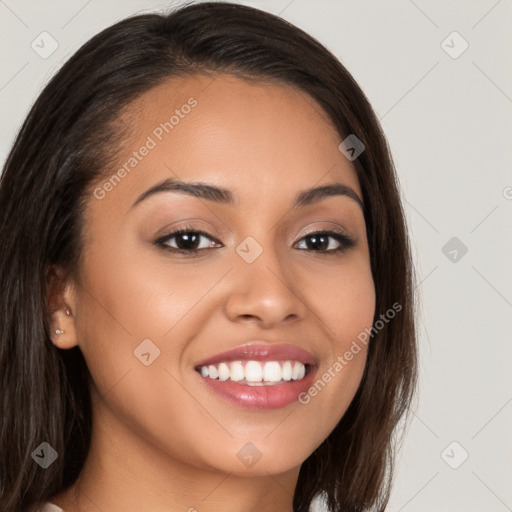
[237, 371]
[287, 370]
[256, 373]
[272, 371]
[212, 371]
[253, 371]
[223, 371]
[297, 369]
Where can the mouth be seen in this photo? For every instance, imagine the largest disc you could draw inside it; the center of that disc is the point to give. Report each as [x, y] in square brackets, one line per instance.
[256, 373]
[259, 376]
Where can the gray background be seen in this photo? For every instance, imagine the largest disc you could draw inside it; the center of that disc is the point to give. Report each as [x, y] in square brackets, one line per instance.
[448, 121]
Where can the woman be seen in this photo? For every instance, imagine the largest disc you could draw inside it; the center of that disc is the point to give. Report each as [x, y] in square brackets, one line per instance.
[207, 289]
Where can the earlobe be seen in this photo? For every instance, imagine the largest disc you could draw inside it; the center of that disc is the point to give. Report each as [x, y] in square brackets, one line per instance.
[62, 329]
[62, 320]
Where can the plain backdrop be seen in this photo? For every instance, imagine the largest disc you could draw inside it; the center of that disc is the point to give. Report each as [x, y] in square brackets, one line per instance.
[438, 75]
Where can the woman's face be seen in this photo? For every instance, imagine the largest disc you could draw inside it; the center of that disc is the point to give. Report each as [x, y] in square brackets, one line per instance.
[262, 287]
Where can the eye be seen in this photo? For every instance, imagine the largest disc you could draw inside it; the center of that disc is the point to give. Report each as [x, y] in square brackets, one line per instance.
[319, 241]
[187, 241]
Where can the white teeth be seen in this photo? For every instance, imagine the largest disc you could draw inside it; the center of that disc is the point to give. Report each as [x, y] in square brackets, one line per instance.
[223, 371]
[253, 371]
[295, 371]
[237, 371]
[256, 373]
[287, 370]
[212, 371]
[272, 371]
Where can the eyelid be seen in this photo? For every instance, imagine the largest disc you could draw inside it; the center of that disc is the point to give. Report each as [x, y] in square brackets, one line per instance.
[199, 226]
[328, 226]
[336, 229]
[185, 229]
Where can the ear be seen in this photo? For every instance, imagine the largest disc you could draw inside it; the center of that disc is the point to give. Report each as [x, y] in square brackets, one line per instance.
[61, 307]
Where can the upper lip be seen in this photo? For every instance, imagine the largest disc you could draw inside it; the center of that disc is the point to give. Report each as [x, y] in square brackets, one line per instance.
[258, 351]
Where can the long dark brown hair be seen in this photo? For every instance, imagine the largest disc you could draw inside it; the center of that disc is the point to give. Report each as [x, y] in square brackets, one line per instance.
[63, 148]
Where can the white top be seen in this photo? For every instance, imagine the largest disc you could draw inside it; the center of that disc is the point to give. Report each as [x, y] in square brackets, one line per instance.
[50, 507]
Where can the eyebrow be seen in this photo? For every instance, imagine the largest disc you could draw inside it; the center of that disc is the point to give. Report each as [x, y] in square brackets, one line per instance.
[224, 196]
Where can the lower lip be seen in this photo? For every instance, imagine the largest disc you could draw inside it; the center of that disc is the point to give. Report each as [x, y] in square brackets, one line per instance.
[260, 397]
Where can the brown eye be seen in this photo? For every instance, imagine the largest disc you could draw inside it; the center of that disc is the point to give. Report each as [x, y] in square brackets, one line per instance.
[319, 241]
[187, 240]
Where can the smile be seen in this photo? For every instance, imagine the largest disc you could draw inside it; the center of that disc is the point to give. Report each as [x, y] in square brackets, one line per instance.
[259, 376]
[256, 373]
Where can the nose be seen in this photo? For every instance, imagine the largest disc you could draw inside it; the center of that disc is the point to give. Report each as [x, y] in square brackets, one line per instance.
[265, 292]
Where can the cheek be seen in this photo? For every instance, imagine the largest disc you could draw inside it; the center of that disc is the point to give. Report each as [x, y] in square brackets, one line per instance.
[346, 304]
[343, 298]
[125, 302]
[128, 299]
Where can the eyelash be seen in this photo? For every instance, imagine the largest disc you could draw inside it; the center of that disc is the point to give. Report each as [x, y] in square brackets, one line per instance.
[345, 241]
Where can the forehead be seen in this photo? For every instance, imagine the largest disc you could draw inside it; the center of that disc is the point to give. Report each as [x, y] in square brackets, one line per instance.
[261, 140]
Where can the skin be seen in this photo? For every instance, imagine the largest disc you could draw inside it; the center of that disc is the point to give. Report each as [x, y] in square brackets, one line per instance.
[161, 440]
